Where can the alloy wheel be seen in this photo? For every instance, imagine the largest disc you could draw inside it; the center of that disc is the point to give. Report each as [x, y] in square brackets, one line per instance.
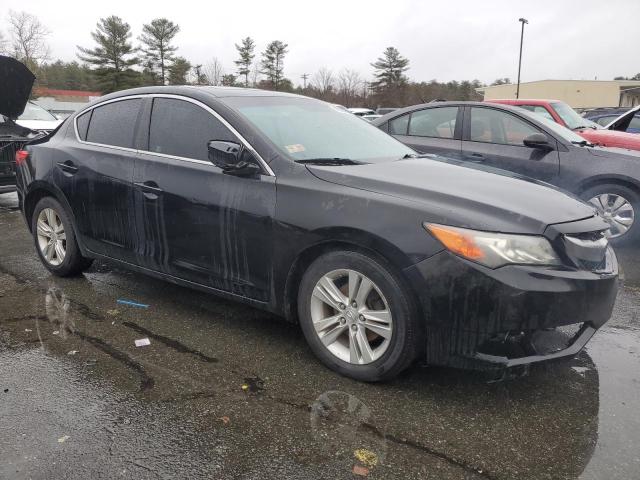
[617, 211]
[52, 239]
[351, 316]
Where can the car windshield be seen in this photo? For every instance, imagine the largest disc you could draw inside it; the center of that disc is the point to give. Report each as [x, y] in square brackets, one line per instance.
[305, 129]
[570, 117]
[559, 130]
[35, 112]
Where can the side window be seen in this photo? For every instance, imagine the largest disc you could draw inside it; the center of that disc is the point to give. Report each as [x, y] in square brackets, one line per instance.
[398, 126]
[540, 110]
[495, 126]
[434, 122]
[82, 123]
[114, 123]
[183, 129]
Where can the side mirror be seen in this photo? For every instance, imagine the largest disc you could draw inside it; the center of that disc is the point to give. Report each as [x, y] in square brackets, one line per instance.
[537, 140]
[232, 158]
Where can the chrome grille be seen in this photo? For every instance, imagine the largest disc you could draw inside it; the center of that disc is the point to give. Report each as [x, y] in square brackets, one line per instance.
[587, 251]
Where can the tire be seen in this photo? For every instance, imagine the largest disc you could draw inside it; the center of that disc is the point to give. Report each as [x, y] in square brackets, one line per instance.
[387, 355]
[632, 207]
[68, 261]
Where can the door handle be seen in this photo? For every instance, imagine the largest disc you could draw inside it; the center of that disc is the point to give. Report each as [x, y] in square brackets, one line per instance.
[149, 189]
[478, 157]
[68, 167]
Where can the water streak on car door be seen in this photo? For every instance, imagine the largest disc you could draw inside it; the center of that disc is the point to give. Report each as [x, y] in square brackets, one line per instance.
[199, 224]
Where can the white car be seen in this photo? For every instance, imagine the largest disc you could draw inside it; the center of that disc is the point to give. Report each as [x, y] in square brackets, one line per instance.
[37, 118]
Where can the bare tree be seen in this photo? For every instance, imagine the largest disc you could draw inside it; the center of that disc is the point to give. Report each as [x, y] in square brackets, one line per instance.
[3, 44]
[255, 74]
[28, 38]
[323, 81]
[213, 71]
[349, 85]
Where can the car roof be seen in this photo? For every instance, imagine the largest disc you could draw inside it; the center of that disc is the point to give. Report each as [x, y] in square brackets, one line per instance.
[520, 101]
[453, 103]
[193, 91]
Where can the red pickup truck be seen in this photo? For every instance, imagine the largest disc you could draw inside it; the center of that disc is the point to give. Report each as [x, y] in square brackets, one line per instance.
[563, 114]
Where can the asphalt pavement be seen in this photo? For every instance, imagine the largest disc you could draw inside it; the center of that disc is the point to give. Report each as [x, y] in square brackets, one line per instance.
[226, 391]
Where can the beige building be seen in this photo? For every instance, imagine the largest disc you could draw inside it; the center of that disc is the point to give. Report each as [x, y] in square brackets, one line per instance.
[577, 93]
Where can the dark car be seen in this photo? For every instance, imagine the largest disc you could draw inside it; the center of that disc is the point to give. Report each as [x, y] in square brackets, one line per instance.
[623, 120]
[515, 139]
[296, 207]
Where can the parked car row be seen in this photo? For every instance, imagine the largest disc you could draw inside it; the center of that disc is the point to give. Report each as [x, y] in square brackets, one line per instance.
[529, 143]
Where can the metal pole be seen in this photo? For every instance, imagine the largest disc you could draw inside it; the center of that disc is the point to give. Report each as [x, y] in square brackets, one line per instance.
[523, 21]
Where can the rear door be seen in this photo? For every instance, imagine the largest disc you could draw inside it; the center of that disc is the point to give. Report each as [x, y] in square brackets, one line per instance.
[195, 222]
[431, 130]
[495, 137]
[95, 174]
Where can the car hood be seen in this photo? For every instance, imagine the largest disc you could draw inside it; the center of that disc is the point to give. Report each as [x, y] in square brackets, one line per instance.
[464, 196]
[611, 138]
[16, 80]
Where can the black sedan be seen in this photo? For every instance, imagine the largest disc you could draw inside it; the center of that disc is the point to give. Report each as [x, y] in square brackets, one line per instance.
[514, 139]
[294, 206]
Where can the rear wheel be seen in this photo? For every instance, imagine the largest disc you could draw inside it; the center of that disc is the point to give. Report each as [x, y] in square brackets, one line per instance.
[55, 240]
[619, 206]
[357, 316]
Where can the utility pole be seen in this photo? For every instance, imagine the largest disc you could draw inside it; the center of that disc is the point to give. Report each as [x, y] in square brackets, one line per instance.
[198, 75]
[304, 77]
[523, 21]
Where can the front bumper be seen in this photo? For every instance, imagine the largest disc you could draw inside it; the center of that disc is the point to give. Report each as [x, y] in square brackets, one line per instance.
[476, 317]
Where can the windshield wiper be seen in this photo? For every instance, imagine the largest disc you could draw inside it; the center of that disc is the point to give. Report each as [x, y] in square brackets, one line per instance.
[583, 126]
[335, 161]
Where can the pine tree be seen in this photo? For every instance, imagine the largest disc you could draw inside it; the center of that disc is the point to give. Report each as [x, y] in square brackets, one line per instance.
[178, 71]
[245, 50]
[389, 69]
[112, 57]
[156, 39]
[273, 62]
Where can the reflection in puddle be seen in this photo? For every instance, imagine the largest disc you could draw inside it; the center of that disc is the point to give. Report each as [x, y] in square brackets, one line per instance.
[344, 427]
[57, 306]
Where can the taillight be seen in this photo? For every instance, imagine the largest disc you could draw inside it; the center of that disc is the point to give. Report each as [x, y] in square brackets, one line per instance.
[21, 156]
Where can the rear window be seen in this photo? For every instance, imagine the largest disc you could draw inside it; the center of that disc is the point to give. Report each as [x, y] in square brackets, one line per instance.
[114, 123]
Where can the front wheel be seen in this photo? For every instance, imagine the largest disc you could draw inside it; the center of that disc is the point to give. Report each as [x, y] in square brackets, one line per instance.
[357, 316]
[55, 240]
[618, 205]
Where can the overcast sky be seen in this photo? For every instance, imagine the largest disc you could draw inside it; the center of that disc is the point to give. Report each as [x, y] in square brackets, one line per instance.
[445, 40]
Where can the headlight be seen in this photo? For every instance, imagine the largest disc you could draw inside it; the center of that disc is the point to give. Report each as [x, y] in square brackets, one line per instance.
[495, 249]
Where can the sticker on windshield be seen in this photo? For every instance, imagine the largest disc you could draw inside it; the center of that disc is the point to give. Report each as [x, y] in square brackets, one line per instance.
[297, 148]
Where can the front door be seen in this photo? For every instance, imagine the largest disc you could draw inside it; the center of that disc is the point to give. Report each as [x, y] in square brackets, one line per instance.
[495, 137]
[195, 222]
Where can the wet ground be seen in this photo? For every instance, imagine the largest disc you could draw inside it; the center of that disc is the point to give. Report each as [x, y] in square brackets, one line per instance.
[226, 391]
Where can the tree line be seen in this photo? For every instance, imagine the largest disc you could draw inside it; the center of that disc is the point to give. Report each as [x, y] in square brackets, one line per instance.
[114, 62]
